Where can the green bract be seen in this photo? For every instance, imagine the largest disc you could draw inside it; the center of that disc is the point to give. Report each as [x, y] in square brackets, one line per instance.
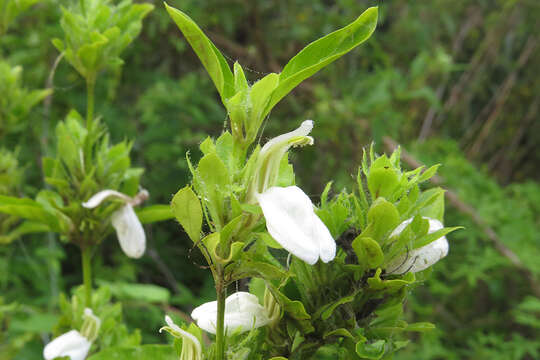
[96, 32]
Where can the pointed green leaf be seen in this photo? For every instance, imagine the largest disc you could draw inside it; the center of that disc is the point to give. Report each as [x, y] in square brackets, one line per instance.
[322, 52]
[211, 58]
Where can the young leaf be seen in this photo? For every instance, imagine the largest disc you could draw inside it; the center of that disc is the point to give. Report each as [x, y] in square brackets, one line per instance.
[322, 52]
[187, 210]
[211, 58]
[154, 213]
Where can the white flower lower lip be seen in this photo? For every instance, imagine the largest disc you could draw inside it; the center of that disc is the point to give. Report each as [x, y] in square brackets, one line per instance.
[292, 222]
[128, 228]
[419, 259]
[71, 344]
[242, 313]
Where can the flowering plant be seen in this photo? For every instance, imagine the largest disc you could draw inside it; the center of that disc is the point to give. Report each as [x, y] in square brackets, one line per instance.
[295, 277]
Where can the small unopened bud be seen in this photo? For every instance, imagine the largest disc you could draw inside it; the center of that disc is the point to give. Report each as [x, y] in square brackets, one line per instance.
[272, 307]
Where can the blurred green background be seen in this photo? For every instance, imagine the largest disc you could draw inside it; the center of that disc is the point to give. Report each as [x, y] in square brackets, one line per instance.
[453, 81]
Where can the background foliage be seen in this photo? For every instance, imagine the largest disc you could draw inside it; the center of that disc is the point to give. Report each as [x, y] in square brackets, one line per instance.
[454, 82]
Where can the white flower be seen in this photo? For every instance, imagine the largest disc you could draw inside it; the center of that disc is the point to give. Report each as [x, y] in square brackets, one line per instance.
[191, 347]
[128, 228]
[71, 344]
[242, 313]
[269, 158]
[422, 258]
[292, 222]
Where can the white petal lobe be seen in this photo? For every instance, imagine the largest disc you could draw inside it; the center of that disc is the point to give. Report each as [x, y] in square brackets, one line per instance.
[129, 231]
[186, 335]
[292, 222]
[71, 344]
[242, 313]
[304, 129]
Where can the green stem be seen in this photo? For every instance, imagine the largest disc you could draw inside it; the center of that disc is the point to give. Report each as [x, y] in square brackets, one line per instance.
[87, 275]
[90, 85]
[220, 328]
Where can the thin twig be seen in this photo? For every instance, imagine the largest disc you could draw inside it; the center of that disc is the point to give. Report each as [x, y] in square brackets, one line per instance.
[473, 20]
[502, 95]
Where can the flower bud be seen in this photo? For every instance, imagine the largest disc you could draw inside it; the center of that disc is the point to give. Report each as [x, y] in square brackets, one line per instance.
[419, 259]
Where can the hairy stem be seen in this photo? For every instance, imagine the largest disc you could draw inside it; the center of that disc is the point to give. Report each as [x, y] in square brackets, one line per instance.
[90, 85]
[87, 275]
[221, 292]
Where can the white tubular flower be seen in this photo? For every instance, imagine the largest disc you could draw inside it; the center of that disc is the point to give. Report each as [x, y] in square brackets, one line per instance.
[191, 347]
[272, 152]
[292, 222]
[242, 313]
[419, 259]
[128, 228]
[71, 344]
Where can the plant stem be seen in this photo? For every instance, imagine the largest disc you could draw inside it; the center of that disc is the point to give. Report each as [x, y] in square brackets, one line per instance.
[87, 274]
[90, 85]
[220, 328]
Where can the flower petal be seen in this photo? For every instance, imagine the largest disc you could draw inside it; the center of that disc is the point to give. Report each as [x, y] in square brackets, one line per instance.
[98, 198]
[419, 259]
[303, 130]
[242, 313]
[269, 158]
[186, 336]
[129, 231]
[71, 344]
[292, 222]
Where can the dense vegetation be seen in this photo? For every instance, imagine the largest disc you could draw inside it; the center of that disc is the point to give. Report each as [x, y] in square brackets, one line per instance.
[453, 82]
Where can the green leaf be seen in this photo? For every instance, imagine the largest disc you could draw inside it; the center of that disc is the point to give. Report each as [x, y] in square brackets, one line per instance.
[428, 238]
[389, 286]
[143, 352]
[143, 292]
[327, 310]
[341, 332]
[420, 327]
[260, 95]
[28, 209]
[368, 251]
[240, 82]
[154, 213]
[373, 351]
[382, 218]
[214, 180]
[382, 182]
[27, 227]
[186, 207]
[211, 58]
[428, 174]
[322, 52]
